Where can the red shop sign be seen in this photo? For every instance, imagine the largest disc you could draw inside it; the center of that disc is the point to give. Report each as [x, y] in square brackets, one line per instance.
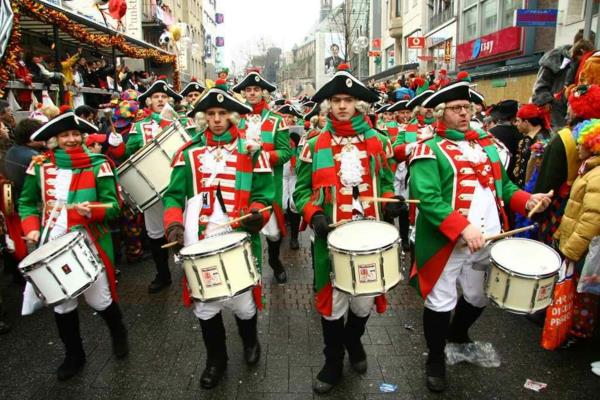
[498, 45]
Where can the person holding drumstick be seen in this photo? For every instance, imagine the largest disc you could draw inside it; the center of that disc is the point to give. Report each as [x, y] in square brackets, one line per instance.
[156, 97]
[217, 176]
[69, 174]
[346, 160]
[275, 140]
[462, 186]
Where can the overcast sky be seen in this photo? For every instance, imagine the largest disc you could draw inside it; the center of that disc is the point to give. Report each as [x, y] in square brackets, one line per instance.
[282, 22]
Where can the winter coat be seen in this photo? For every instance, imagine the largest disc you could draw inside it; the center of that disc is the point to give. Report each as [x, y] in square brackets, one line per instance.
[581, 220]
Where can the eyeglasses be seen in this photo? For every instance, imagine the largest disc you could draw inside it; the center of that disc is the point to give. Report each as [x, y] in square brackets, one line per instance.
[458, 109]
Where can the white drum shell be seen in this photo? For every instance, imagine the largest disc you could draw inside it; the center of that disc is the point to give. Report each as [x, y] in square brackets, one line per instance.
[368, 271]
[222, 273]
[145, 175]
[519, 292]
[65, 273]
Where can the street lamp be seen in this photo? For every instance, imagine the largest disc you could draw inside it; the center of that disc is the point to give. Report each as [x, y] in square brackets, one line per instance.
[362, 42]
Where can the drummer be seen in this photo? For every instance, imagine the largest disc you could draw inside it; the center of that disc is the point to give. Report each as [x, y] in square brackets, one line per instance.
[276, 143]
[70, 174]
[156, 97]
[462, 186]
[191, 93]
[214, 182]
[347, 159]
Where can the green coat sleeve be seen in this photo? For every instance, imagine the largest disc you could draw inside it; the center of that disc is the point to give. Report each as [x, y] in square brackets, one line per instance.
[263, 188]
[175, 197]
[134, 143]
[106, 187]
[30, 199]
[283, 150]
[303, 192]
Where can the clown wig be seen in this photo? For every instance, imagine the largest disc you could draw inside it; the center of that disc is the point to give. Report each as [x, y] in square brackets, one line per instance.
[587, 133]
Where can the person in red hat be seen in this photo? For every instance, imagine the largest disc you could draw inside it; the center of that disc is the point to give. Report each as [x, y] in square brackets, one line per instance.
[94, 142]
[534, 124]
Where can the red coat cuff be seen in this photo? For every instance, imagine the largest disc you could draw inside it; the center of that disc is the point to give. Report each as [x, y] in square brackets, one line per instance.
[453, 225]
[265, 214]
[97, 214]
[74, 218]
[400, 152]
[310, 210]
[518, 201]
[31, 223]
[273, 157]
[116, 152]
[172, 215]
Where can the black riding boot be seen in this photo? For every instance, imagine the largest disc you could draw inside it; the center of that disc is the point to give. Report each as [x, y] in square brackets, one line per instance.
[404, 223]
[161, 261]
[68, 330]
[331, 373]
[213, 333]
[294, 219]
[274, 261]
[118, 333]
[435, 327]
[465, 315]
[247, 331]
[353, 331]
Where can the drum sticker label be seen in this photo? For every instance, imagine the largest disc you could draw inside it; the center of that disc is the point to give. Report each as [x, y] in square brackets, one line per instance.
[211, 276]
[367, 273]
[65, 268]
[544, 292]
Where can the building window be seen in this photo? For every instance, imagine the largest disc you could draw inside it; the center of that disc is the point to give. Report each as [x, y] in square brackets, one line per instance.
[508, 12]
[405, 6]
[440, 11]
[389, 55]
[398, 8]
[482, 17]
[489, 17]
[470, 24]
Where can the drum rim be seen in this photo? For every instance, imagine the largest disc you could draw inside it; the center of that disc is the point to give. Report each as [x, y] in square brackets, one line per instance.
[365, 252]
[246, 238]
[46, 260]
[220, 298]
[522, 275]
[378, 293]
[513, 311]
[142, 151]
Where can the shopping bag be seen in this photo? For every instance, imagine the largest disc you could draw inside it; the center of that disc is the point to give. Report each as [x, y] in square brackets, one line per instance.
[559, 315]
[589, 280]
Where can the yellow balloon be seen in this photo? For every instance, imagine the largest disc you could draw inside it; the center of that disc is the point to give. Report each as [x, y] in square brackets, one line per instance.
[209, 83]
[175, 31]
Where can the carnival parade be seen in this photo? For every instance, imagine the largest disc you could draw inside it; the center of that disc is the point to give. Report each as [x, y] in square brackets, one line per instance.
[201, 199]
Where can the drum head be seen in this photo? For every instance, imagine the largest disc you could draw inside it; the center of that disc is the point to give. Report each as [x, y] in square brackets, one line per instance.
[214, 243]
[525, 257]
[363, 236]
[50, 248]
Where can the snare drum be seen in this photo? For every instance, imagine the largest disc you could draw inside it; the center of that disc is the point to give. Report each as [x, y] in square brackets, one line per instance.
[365, 259]
[63, 268]
[144, 176]
[522, 275]
[219, 267]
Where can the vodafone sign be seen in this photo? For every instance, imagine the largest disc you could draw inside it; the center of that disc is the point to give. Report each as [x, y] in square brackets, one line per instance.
[416, 42]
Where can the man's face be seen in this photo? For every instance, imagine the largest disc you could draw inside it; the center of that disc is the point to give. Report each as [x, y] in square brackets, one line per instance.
[343, 107]
[289, 120]
[69, 139]
[8, 117]
[404, 116]
[158, 101]
[427, 112]
[478, 108]
[95, 148]
[192, 97]
[457, 115]
[335, 51]
[583, 152]
[523, 126]
[388, 116]
[253, 94]
[322, 120]
[218, 120]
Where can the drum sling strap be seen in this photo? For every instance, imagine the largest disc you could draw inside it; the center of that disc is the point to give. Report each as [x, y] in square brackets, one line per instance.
[219, 197]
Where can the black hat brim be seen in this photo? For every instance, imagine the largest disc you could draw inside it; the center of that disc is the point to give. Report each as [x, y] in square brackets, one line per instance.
[192, 87]
[312, 112]
[344, 83]
[418, 100]
[254, 79]
[290, 110]
[476, 97]
[159, 86]
[451, 92]
[382, 109]
[399, 106]
[66, 122]
[218, 98]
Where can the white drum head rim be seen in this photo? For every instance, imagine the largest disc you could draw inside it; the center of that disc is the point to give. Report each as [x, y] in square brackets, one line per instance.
[525, 257]
[348, 238]
[214, 244]
[50, 250]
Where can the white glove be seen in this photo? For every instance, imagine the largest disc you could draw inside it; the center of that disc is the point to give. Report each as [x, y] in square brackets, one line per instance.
[10, 245]
[409, 148]
[115, 139]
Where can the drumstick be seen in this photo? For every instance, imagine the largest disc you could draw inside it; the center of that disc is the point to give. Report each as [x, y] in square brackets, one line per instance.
[386, 200]
[233, 221]
[506, 234]
[538, 205]
[340, 222]
[99, 205]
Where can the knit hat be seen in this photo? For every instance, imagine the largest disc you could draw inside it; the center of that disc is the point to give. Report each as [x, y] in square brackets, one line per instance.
[95, 138]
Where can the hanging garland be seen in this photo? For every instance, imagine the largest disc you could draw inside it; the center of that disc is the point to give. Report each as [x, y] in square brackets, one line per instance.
[9, 61]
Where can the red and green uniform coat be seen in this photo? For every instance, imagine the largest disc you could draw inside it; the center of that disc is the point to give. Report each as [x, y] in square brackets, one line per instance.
[276, 145]
[96, 184]
[246, 183]
[410, 133]
[444, 182]
[319, 188]
[146, 129]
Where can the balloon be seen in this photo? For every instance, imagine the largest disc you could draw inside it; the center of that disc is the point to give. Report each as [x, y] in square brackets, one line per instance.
[175, 31]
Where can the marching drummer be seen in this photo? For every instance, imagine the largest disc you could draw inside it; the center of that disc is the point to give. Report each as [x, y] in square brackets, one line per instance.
[213, 182]
[346, 160]
[69, 174]
[462, 187]
[156, 98]
[191, 93]
[276, 143]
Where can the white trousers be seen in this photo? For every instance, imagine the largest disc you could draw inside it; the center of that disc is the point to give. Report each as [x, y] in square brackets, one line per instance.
[360, 305]
[466, 270]
[242, 306]
[153, 219]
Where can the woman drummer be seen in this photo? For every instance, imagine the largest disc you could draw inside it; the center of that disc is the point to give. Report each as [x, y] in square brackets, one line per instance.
[70, 174]
[217, 176]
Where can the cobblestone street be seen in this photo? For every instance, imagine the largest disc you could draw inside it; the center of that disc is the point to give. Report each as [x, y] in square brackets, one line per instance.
[167, 354]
